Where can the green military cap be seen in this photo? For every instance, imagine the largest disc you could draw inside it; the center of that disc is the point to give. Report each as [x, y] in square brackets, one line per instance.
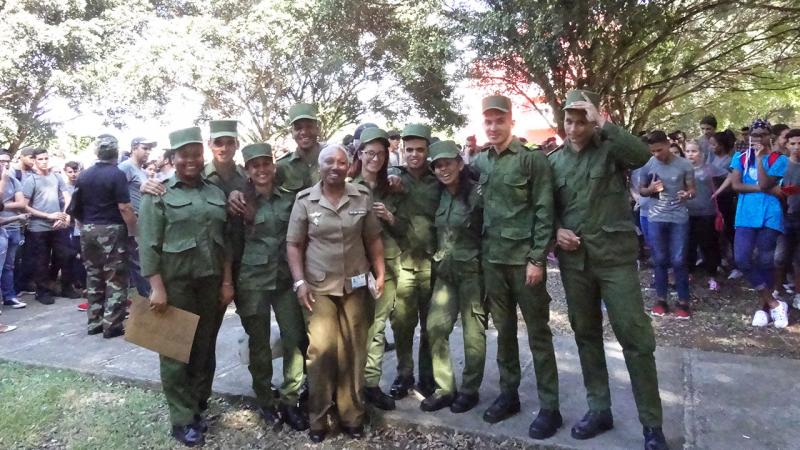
[417, 130]
[499, 102]
[253, 151]
[374, 133]
[220, 128]
[303, 111]
[106, 142]
[580, 95]
[443, 149]
[179, 138]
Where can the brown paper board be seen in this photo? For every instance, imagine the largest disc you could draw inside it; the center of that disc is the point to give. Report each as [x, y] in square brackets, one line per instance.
[170, 333]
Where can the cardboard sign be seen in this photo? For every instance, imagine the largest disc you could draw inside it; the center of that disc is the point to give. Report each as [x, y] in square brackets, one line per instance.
[169, 334]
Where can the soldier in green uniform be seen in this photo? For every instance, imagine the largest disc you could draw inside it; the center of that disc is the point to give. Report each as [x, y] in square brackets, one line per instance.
[264, 281]
[300, 170]
[597, 250]
[373, 163]
[458, 288]
[517, 229]
[187, 261]
[417, 208]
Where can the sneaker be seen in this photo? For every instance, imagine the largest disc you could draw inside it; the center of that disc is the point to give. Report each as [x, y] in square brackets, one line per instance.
[659, 309]
[83, 306]
[735, 273]
[14, 303]
[760, 319]
[796, 301]
[779, 315]
[713, 285]
[7, 328]
[683, 311]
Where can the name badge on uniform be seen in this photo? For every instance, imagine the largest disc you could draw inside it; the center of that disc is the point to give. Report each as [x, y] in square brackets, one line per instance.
[358, 281]
[357, 212]
[315, 217]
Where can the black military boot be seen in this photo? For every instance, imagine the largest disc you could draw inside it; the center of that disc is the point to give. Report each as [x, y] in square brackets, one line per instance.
[546, 424]
[464, 402]
[294, 416]
[654, 439]
[376, 398]
[401, 386]
[188, 435]
[436, 401]
[592, 424]
[505, 406]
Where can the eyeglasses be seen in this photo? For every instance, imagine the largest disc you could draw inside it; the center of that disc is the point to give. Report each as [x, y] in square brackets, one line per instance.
[371, 155]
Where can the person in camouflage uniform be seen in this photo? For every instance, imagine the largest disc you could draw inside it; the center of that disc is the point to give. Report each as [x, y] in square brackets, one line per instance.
[101, 202]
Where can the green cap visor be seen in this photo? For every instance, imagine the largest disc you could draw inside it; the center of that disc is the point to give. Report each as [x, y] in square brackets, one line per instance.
[221, 128]
[303, 111]
[442, 150]
[417, 130]
[499, 102]
[372, 134]
[253, 151]
[179, 138]
[580, 95]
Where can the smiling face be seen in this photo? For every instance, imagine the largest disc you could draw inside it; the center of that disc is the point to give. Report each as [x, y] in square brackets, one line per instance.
[416, 151]
[373, 157]
[188, 161]
[305, 133]
[447, 170]
[261, 170]
[333, 166]
[661, 151]
[578, 128]
[497, 125]
[223, 148]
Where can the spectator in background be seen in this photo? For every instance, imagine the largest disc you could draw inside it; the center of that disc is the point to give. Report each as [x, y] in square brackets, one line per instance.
[166, 169]
[678, 137]
[72, 169]
[708, 126]
[12, 217]
[677, 150]
[759, 220]
[672, 178]
[744, 140]
[722, 148]
[791, 178]
[151, 169]
[48, 230]
[136, 176]
[779, 132]
[470, 149]
[102, 205]
[703, 213]
[25, 166]
[395, 156]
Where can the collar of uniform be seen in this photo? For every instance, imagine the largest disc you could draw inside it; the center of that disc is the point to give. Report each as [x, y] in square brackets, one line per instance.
[296, 153]
[174, 181]
[210, 169]
[274, 193]
[315, 194]
[514, 146]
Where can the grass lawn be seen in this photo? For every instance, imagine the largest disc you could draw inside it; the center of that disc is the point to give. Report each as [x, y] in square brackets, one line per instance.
[55, 408]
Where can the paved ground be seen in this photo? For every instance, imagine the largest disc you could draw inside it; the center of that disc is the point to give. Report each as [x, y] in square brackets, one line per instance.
[711, 400]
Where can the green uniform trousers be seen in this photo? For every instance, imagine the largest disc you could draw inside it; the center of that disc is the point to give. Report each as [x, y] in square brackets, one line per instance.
[257, 327]
[184, 385]
[505, 289]
[410, 308]
[619, 288]
[376, 335]
[337, 342]
[453, 295]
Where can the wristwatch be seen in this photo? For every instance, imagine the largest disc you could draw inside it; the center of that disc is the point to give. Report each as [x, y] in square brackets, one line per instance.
[297, 285]
[536, 263]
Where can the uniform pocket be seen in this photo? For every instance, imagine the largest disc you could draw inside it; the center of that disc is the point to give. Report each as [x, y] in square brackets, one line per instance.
[179, 209]
[179, 245]
[515, 233]
[217, 208]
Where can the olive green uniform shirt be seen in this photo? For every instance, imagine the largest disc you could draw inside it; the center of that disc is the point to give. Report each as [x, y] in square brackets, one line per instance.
[334, 236]
[417, 208]
[294, 174]
[264, 258]
[458, 229]
[181, 233]
[590, 191]
[390, 234]
[518, 204]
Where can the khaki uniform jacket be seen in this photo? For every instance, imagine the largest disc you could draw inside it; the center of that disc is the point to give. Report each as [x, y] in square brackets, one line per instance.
[334, 236]
[592, 197]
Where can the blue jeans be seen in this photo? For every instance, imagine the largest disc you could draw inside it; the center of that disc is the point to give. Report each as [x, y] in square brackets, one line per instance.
[644, 226]
[757, 269]
[135, 271]
[12, 240]
[669, 242]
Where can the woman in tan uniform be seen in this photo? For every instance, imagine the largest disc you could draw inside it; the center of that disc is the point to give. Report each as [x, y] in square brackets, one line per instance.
[333, 241]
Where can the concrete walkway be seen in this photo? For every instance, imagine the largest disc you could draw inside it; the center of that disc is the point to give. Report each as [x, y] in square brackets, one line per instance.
[711, 400]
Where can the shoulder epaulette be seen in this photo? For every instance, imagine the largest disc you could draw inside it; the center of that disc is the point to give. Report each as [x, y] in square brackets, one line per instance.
[285, 155]
[555, 149]
[303, 193]
[362, 188]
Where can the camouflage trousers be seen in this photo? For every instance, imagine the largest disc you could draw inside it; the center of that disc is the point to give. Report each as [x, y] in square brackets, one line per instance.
[105, 256]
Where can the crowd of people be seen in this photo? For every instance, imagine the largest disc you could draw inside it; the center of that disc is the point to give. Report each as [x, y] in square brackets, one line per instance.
[400, 226]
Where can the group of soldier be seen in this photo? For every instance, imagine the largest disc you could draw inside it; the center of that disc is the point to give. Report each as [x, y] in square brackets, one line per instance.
[469, 240]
